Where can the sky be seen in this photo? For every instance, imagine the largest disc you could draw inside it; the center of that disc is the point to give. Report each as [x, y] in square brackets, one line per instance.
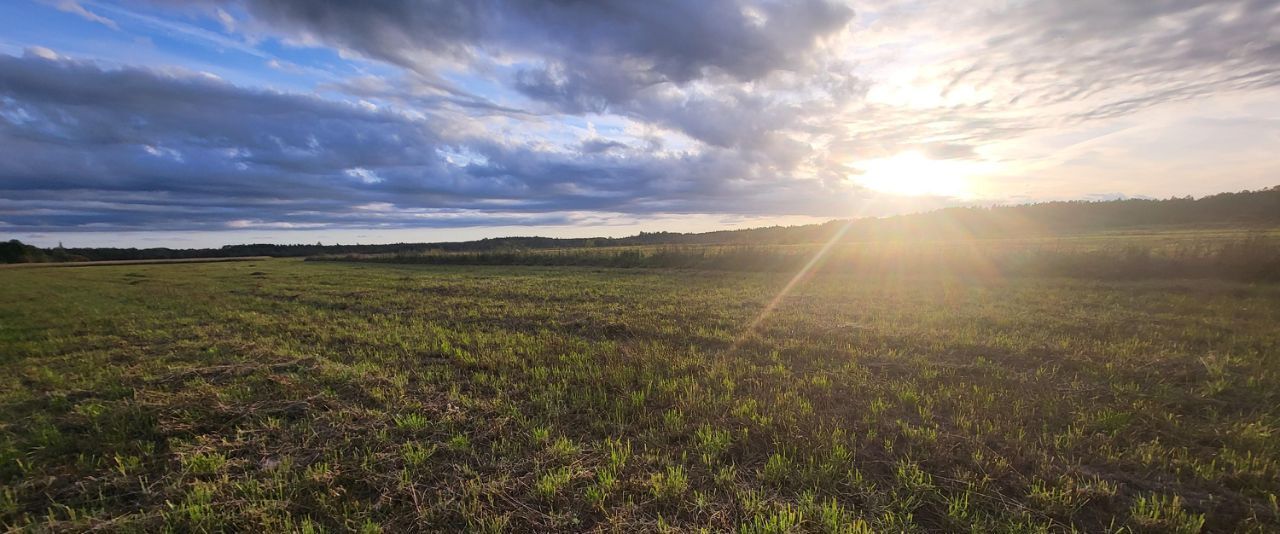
[194, 123]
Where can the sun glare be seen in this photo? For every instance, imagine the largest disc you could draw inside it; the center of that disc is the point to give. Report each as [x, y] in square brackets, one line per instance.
[913, 174]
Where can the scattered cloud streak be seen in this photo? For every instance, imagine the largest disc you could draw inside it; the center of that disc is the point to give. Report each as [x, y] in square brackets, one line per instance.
[75, 8]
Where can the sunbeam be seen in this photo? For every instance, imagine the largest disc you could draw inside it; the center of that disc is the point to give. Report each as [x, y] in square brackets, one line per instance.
[791, 284]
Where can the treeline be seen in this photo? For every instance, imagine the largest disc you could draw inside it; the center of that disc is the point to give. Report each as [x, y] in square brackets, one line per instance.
[1255, 258]
[14, 251]
[304, 250]
[1246, 208]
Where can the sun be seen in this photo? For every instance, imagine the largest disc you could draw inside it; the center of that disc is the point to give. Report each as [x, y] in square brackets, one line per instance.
[912, 174]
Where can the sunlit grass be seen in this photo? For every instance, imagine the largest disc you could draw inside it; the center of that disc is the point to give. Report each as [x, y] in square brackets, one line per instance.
[361, 397]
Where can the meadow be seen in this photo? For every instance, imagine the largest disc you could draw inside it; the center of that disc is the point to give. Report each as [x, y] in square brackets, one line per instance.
[282, 395]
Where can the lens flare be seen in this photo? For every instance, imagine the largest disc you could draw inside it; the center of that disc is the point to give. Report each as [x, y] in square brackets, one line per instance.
[791, 284]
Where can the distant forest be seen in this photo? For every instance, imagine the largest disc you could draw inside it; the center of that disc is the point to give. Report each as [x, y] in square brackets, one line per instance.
[1244, 209]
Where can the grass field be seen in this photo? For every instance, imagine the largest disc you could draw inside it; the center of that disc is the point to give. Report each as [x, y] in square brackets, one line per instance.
[321, 396]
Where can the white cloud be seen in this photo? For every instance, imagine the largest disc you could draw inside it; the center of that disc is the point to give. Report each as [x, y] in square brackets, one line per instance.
[74, 7]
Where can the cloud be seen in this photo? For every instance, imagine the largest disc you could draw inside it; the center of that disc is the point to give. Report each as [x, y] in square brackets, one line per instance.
[579, 56]
[122, 148]
[596, 146]
[1097, 59]
[948, 151]
[993, 73]
[42, 52]
[717, 71]
[74, 7]
[669, 39]
[523, 111]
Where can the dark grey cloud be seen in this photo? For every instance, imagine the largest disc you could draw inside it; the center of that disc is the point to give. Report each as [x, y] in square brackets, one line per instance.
[97, 148]
[578, 57]
[596, 146]
[591, 52]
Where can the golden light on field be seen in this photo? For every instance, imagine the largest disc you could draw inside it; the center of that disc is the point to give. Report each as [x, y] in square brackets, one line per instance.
[913, 174]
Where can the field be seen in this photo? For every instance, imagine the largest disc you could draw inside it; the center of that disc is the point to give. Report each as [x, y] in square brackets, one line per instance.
[42, 265]
[1245, 255]
[322, 396]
